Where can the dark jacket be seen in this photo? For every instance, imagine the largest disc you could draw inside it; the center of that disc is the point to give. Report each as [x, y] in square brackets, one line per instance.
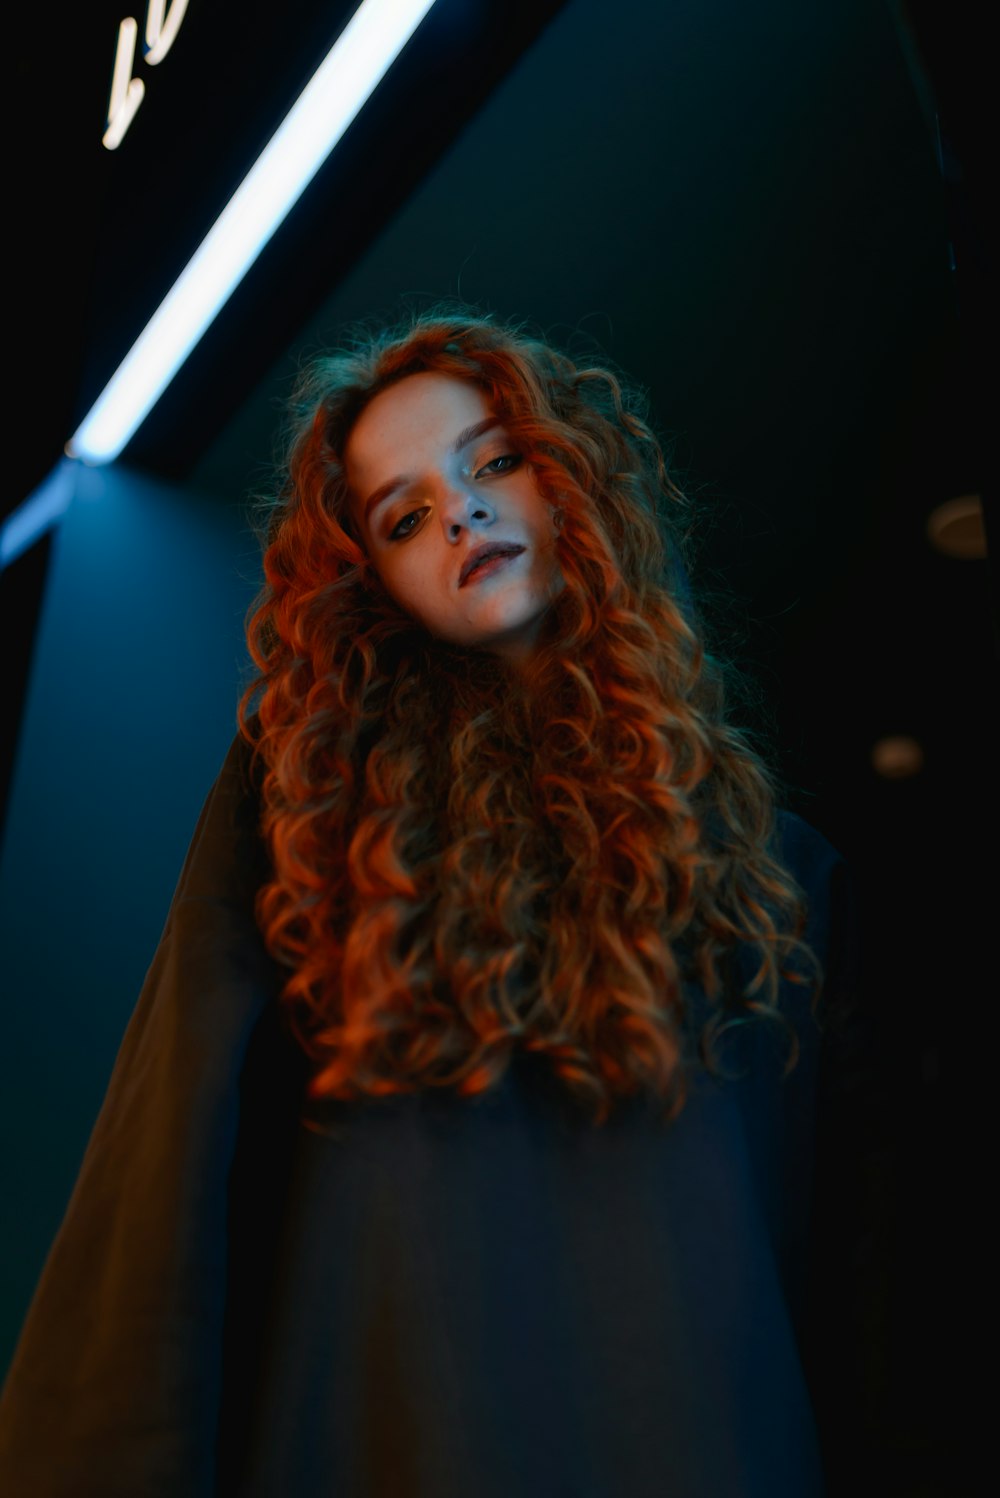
[433, 1297]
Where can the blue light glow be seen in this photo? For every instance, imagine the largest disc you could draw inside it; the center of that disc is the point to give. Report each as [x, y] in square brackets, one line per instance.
[42, 508]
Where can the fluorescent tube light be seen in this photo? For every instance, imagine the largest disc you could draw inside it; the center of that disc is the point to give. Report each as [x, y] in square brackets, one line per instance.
[358, 60]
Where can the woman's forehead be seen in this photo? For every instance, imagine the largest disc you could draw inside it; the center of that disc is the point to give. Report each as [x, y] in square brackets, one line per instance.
[414, 403]
[418, 416]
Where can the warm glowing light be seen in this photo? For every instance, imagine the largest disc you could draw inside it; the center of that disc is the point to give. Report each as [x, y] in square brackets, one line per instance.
[355, 65]
[956, 528]
[160, 32]
[126, 91]
[897, 757]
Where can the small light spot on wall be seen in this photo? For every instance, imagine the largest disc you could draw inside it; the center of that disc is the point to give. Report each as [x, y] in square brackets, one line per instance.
[897, 756]
[956, 528]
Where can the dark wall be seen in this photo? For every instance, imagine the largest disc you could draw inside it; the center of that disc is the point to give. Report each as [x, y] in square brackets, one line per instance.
[130, 709]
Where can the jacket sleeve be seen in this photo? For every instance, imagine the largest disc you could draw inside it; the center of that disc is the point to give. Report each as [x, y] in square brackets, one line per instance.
[115, 1385]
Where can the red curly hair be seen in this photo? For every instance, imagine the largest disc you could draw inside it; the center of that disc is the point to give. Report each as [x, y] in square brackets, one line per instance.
[467, 864]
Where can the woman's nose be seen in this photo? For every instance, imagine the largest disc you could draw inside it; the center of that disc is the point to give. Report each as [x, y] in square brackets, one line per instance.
[463, 509]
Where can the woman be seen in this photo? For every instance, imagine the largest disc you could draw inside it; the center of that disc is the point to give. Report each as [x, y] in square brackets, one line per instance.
[461, 1140]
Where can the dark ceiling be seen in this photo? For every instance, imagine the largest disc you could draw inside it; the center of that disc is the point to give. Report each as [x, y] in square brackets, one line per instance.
[748, 208]
[743, 207]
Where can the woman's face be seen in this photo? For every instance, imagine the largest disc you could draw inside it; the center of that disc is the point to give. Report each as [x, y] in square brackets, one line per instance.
[451, 516]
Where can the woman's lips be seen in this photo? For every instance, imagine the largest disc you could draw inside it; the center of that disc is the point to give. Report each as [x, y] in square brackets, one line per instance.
[491, 563]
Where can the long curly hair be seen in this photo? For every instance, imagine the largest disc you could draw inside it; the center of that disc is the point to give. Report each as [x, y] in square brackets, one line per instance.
[468, 863]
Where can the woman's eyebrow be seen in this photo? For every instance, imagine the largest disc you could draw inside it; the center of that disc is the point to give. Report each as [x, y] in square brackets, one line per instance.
[463, 439]
[476, 430]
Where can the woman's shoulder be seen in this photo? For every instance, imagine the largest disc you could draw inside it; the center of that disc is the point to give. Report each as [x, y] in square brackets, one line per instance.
[804, 850]
[834, 926]
[227, 852]
[241, 773]
[241, 745]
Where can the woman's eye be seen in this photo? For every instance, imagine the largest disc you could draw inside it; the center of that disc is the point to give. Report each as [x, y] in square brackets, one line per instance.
[407, 525]
[512, 459]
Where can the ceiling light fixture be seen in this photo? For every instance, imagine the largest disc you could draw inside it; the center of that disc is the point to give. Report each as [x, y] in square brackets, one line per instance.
[352, 69]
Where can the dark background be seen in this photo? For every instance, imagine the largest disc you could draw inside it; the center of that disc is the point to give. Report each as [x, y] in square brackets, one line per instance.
[773, 218]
